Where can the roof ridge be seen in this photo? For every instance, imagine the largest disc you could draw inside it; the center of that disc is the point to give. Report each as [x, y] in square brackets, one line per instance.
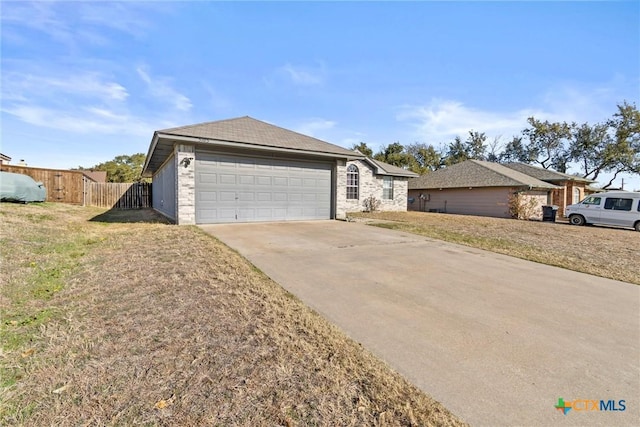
[500, 171]
[560, 175]
[203, 123]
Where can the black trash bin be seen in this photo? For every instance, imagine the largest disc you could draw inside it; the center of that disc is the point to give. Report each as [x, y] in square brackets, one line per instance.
[549, 213]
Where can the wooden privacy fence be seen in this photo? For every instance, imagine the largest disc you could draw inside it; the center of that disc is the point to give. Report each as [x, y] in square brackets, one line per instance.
[62, 186]
[118, 196]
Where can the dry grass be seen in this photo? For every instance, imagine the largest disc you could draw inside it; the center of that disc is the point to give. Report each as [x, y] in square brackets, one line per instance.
[605, 252]
[118, 322]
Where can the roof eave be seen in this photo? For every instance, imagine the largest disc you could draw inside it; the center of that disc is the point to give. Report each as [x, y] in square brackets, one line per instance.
[203, 142]
[154, 141]
[378, 170]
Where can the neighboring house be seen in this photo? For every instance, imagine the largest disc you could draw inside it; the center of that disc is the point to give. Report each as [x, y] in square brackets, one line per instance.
[4, 159]
[244, 170]
[95, 176]
[476, 187]
[572, 189]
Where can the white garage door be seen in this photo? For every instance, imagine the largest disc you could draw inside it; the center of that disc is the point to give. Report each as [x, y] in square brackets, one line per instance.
[232, 188]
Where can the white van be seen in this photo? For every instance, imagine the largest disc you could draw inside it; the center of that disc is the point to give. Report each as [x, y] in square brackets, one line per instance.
[619, 208]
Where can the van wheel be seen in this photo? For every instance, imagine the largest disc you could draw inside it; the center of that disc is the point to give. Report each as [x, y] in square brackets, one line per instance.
[637, 226]
[576, 220]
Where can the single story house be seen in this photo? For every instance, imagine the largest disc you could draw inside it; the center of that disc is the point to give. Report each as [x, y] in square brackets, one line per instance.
[475, 187]
[4, 159]
[244, 170]
[571, 189]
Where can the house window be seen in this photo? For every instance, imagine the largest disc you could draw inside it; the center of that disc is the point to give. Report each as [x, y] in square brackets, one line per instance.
[387, 187]
[576, 195]
[618, 204]
[353, 182]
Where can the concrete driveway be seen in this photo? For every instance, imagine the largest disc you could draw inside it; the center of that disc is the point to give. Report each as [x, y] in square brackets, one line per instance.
[496, 339]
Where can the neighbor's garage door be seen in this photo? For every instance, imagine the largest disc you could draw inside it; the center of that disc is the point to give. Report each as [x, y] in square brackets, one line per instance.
[232, 188]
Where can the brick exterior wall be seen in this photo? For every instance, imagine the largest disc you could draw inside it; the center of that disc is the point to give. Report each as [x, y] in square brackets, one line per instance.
[185, 184]
[341, 190]
[563, 197]
[370, 185]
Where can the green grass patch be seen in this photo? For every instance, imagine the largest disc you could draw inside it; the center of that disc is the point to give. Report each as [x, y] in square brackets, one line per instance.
[40, 250]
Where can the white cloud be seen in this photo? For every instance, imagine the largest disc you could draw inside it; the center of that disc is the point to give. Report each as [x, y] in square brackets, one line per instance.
[85, 102]
[313, 126]
[85, 121]
[161, 89]
[304, 76]
[76, 23]
[123, 17]
[216, 100]
[589, 103]
[27, 86]
[442, 120]
[39, 16]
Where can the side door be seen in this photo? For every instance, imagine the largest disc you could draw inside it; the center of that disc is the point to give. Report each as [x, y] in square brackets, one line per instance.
[617, 211]
[591, 208]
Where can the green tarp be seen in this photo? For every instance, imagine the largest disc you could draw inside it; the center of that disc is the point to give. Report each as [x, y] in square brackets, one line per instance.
[15, 187]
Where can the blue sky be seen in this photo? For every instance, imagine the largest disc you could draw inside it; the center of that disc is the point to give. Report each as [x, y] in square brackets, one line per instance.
[83, 82]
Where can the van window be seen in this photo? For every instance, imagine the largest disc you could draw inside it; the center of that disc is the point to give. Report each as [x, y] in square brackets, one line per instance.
[591, 201]
[618, 204]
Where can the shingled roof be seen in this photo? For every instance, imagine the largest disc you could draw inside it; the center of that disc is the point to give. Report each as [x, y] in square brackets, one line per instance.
[544, 174]
[383, 168]
[246, 132]
[475, 174]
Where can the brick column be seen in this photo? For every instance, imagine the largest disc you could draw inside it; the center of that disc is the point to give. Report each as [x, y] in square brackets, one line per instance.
[341, 190]
[185, 157]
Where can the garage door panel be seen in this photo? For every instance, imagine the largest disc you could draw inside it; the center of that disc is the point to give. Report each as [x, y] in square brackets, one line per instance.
[264, 197]
[227, 178]
[246, 197]
[227, 196]
[209, 178]
[208, 196]
[280, 197]
[234, 188]
[246, 214]
[247, 180]
[280, 181]
[263, 180]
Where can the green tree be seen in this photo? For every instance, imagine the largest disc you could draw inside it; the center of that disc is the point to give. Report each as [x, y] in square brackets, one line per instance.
[122, 168]
[591, 149]
[423, 158]
[626, 148]
[548, 143]
[457, 152]
[515, 151]
[394, 154]
[476, 145]
[363, 148]
[612, 147]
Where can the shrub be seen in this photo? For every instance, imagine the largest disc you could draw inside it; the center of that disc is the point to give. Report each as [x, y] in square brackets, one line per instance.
[371, 204]
[523, 207]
